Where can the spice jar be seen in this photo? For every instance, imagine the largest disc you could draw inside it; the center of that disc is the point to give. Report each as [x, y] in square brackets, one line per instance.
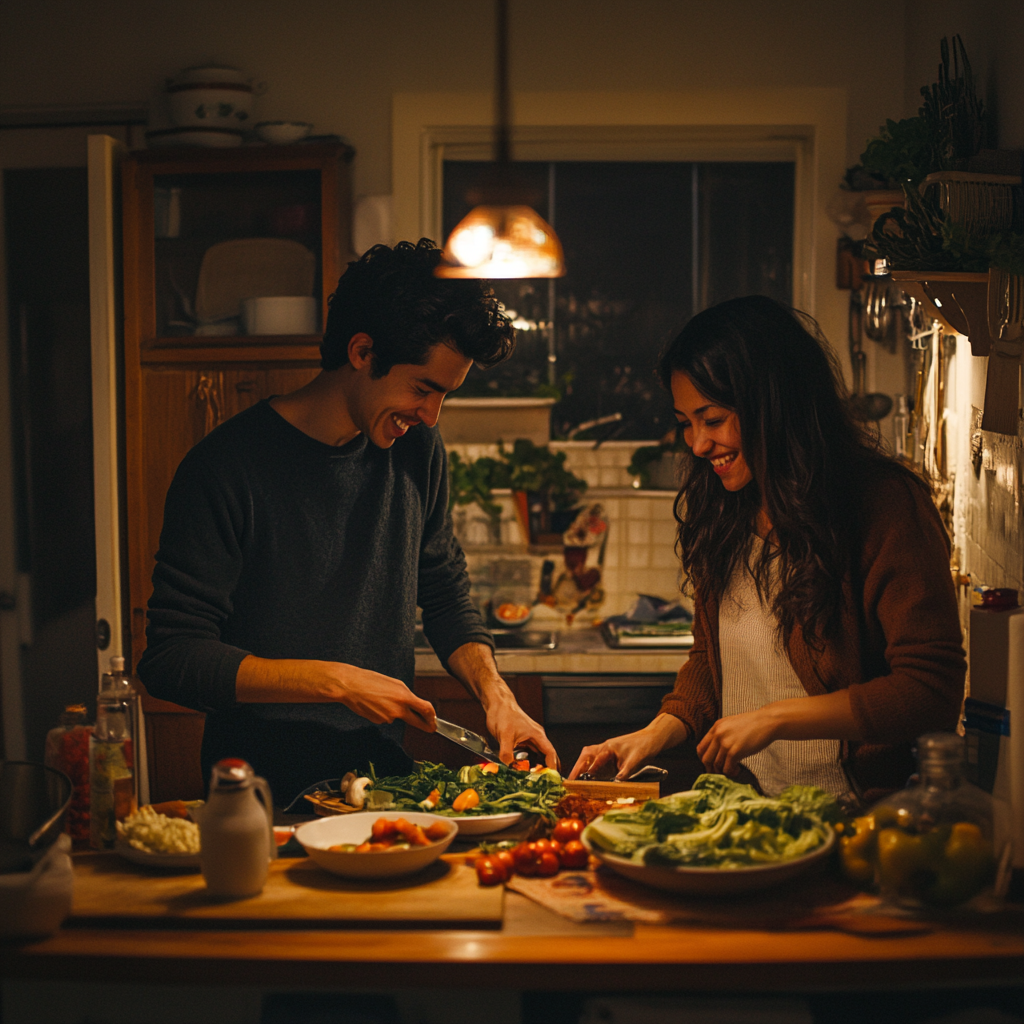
[112, 756]
[932, 843]
[67, 750]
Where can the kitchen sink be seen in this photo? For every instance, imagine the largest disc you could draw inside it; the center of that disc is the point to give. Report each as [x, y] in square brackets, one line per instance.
[507, 640]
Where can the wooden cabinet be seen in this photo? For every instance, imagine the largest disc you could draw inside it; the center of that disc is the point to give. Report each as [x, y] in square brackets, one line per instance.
[183, 374]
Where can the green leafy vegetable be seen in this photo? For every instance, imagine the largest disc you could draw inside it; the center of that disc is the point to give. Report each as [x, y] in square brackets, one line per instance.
[501, 792]
[721, 824]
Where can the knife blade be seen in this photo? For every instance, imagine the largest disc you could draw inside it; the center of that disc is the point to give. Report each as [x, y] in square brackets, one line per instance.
[465, 738]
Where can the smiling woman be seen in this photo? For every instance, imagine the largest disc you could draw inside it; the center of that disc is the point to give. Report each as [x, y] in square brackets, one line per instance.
[826, 632]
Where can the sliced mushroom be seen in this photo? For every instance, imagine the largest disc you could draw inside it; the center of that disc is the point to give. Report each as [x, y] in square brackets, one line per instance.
[356, 795]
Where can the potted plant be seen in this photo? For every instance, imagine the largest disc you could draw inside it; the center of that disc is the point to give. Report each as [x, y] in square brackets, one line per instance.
[470, 482]
[546, 493]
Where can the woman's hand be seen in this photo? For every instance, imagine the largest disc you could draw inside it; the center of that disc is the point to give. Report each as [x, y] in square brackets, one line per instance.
[628, 751]
[732, 739]
[827, 716]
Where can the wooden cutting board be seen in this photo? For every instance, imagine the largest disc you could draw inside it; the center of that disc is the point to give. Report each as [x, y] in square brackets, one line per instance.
[610, 790]
[298, 894]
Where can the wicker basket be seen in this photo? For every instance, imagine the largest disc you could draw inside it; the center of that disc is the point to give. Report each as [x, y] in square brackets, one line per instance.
[981, 202]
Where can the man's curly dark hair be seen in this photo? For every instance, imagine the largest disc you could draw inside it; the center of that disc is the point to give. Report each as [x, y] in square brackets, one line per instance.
[393, 296]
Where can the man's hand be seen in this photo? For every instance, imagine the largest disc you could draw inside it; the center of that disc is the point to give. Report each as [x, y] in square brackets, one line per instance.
[628, 751]
[512, 727]
[473, 665]
[375, 697]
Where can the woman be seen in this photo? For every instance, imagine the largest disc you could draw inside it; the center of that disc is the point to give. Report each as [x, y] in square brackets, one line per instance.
[826, 632]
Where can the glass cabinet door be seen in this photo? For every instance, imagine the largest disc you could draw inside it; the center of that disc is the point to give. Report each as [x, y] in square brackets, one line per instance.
[222, 239]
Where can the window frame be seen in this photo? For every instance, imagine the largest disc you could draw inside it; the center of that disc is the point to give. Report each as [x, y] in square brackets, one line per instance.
[805, 125]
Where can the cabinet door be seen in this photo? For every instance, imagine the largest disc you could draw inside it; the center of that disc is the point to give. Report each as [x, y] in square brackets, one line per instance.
[181, 407]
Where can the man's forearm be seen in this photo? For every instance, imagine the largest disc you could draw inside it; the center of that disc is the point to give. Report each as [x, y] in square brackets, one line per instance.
[473, 665]
[288, 681]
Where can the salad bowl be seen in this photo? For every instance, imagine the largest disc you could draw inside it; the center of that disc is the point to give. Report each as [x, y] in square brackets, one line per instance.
[317, 838]
[710, 881]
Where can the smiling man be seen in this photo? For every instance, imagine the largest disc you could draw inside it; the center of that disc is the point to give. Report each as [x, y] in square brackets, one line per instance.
[300, 535]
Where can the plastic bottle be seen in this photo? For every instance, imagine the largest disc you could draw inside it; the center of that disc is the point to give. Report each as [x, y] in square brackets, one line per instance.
[112, 781]
[67, 750]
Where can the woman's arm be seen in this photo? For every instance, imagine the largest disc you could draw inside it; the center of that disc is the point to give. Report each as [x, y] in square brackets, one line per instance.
[825, 717]
[628, 751]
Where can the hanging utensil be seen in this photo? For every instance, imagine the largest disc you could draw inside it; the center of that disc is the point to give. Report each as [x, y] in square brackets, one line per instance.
[864, 407]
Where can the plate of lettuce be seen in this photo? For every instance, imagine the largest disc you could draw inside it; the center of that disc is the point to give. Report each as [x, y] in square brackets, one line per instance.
[719, 838]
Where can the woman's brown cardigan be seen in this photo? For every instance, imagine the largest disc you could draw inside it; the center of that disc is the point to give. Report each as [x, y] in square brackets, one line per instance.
[898, 650]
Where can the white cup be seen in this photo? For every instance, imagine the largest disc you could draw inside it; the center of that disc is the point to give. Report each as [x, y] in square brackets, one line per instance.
[280, 314]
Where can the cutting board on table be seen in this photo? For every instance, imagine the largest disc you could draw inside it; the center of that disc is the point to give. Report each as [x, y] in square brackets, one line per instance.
[298, 894]
[610, 790]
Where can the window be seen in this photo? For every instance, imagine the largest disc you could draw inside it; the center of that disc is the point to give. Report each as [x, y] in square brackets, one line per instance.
[647, 244]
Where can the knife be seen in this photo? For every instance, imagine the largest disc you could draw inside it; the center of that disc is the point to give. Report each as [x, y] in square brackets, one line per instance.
[473, 741]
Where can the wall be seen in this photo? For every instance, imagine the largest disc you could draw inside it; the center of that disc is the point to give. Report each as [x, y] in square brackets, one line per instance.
[338, 62]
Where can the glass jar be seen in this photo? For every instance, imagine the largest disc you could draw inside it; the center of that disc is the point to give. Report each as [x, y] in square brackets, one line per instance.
[67, 750]
[112, 756]
[934, 843]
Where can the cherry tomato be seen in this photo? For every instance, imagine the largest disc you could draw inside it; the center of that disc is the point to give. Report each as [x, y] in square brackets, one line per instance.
[568, 829]
[506, 858]
[526, 859]
[490, 872]
[574, 855]
[541, 845]
[547, 864]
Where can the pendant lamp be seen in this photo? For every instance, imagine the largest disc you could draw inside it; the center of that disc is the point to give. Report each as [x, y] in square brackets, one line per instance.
[502, 236]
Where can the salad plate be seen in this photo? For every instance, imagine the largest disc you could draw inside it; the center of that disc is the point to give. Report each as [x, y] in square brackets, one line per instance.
[710, 881]
[719, 838]
[485, 824]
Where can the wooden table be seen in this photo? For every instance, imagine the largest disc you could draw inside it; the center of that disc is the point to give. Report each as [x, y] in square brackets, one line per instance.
[535, 950]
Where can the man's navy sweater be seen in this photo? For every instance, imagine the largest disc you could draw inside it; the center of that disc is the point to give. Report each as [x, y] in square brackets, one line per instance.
[277, 545]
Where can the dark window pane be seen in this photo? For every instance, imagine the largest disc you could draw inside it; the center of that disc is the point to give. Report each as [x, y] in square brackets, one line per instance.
[630, 286]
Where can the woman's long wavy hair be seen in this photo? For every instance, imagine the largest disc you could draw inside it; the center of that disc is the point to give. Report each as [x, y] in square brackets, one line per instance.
[808, 457]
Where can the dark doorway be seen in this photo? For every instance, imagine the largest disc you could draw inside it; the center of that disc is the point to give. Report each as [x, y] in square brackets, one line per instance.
[47, 247]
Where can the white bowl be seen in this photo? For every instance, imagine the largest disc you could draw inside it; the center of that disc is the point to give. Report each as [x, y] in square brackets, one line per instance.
[282, 132]
[208, 104]
[318, 836]
[279, 314]
[710, 881]
[211, 138]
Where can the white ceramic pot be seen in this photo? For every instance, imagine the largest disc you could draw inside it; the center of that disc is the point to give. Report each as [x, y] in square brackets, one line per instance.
[279, 314]
[211, 96]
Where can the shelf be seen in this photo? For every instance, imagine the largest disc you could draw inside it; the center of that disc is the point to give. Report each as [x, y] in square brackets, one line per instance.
[957, 299]
[277, 349]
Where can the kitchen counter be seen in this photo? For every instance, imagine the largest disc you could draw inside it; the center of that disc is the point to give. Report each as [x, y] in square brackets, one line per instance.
[579, 650]
[534, 950]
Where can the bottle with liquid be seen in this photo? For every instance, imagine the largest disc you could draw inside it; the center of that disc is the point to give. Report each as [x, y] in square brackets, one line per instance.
[67, 750]
[112, 777]
[935, 840]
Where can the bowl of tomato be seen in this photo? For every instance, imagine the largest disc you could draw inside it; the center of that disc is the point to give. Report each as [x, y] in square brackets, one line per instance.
[511, 614]
[377, 844]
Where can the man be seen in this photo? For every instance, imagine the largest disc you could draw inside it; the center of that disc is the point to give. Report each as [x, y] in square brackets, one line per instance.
[300, 535]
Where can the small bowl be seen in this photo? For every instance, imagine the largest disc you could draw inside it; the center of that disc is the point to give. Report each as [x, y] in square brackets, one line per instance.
[520, 615]
[281, 132]
[317, 836]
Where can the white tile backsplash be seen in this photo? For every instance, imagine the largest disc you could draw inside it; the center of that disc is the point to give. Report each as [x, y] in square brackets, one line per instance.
[639, 556]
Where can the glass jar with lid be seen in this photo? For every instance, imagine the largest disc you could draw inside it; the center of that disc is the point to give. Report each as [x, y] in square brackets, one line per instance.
[934, 840]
